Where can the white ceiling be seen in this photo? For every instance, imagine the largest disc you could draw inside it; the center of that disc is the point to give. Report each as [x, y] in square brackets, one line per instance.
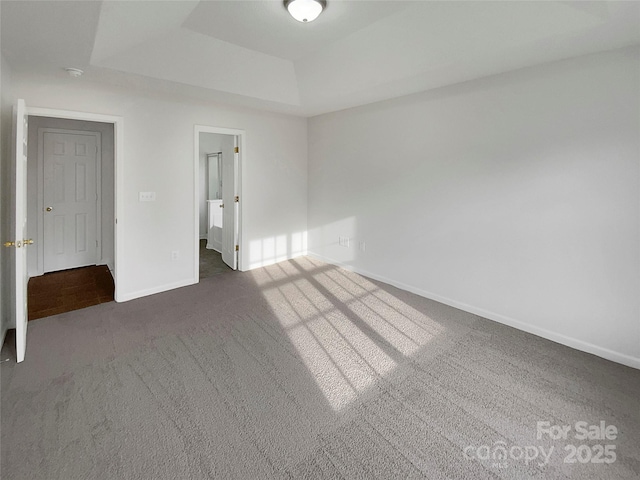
[254, 54]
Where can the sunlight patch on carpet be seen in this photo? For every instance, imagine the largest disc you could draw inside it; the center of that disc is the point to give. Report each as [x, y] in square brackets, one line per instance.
[348, 331]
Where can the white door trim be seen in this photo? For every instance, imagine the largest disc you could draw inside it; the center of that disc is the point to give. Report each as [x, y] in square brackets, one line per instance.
[118, 152]
[242, 140]
[40, 236]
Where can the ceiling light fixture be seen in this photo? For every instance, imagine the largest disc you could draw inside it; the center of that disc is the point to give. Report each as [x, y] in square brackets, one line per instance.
[305, 10]
[74, 72]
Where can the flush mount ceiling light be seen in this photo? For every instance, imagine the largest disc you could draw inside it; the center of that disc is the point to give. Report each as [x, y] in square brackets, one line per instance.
[305, 10]
[73, 72]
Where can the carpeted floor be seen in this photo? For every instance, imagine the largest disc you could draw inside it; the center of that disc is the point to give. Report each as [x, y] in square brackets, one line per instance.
[304, 370]
[211, 262]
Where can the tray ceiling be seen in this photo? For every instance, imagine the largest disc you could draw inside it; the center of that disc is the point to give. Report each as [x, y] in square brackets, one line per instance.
[253, 53]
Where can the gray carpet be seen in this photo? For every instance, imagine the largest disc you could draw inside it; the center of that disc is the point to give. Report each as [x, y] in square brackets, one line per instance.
[211, 262]
[302, 370]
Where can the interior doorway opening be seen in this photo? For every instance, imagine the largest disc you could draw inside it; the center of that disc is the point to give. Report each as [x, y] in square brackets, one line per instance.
[70, 214]
[217, 212]
[18, 304]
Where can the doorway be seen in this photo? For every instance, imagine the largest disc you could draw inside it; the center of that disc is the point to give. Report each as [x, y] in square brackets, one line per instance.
[70, 214]
[217, 200]
[18, 262]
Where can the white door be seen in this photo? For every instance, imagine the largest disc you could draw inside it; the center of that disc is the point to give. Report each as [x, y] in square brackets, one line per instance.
[236, 201]
[20, 229]
[70, 200]
[214, 238]
[229, 192]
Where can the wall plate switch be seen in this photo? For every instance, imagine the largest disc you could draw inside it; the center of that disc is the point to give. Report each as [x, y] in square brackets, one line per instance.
[147, 196]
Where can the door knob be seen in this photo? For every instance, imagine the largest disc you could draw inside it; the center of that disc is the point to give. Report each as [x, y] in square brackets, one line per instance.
[222, 205]
[9, 244]
[28, 242]
[48, 209]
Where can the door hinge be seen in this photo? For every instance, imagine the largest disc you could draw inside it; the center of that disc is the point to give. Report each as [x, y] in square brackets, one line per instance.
[237, 150]
[237, 248]
[237, 198]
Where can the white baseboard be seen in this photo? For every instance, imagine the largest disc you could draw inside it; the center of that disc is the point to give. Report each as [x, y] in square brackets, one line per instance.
[581, 345]
[150, 291]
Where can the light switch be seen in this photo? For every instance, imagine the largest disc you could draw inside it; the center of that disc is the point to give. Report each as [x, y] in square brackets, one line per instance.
[147, 196]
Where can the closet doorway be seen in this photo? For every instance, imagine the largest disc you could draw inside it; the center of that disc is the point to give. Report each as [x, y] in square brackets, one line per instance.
[70, 214]
[218, 200]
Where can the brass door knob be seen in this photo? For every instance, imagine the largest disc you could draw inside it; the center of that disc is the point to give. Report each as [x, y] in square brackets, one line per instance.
[48, 209]
[9, 244]
[28, 242]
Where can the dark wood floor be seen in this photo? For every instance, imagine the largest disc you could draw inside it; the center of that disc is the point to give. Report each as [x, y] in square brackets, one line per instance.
[59, 292]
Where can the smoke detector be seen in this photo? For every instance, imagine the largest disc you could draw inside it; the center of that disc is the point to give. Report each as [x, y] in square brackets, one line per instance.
[73, 72]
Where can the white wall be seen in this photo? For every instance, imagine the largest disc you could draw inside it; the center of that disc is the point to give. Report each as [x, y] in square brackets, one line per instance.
[6, 108]
[107, 172]
[3, 328]
[515, 197]
[3, 189]
[158, 156]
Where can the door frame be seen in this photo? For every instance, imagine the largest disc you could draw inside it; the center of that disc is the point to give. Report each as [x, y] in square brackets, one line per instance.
[241, 135]
[118, 161]
[40, 200]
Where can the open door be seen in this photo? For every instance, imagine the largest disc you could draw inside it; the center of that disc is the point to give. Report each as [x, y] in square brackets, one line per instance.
[227, 142]
[19, 243]
[230, 207]
[236, 200]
